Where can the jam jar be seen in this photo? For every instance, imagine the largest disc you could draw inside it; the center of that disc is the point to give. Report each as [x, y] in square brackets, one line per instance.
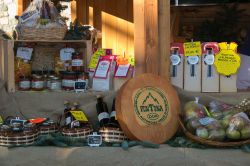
[37, 83]
[68, 80]
[55, 84]
[77, 62]
[24, 83]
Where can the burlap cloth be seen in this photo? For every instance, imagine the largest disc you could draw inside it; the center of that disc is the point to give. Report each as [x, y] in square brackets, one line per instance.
[40, 104]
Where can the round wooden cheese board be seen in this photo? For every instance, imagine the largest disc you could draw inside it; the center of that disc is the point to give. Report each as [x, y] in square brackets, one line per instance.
[147, 108]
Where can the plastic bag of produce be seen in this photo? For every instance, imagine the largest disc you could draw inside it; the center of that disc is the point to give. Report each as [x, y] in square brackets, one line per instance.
[238, 127]
[216, 109]
[194, 110]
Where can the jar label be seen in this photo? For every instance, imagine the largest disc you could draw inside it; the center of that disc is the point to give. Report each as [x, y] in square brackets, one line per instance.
[68, 83]
[77, 62]
[209, 59]
[103, 115]
[193, 60]
[24, 84]
[37, 84]
[55, 85]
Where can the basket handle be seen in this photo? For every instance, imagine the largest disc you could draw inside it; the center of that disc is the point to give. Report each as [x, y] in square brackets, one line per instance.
[182, 125]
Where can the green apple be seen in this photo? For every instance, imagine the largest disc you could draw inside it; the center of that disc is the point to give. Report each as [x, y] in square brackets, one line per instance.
[217, 135]
[245, 132]
[202, 132]
[233, 134]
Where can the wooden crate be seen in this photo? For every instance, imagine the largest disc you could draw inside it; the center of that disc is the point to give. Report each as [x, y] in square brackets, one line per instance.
[7, 54]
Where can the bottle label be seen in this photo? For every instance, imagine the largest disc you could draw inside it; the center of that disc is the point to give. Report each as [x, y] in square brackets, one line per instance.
[37, 84]
[24, 84]
[103, 115]
[77, 62]
[68, 83]
[113, 114]
[55, 86]
[68, 120]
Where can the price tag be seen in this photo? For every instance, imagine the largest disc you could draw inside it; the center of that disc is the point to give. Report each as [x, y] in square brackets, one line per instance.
[94, 140]
[79, 115]
[80, 86]
[102, 69]
[95, 58]
[122, 70]
[192, 49]
[227, 61]
[66, 54]
[24, 53]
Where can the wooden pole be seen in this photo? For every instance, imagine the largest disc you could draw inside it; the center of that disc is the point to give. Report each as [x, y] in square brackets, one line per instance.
[164, 37]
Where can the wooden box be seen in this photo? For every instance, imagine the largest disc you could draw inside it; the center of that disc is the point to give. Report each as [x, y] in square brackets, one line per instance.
[177, 64]
[8, 52]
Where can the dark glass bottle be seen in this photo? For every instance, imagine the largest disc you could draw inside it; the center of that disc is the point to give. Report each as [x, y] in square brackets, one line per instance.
[102, 112]
[67, 114]
[113, 120]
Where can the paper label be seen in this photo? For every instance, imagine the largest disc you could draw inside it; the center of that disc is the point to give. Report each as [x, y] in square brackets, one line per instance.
[37, 84]
[193, 60]
[102, 69]
[122, 70]
[24, 84]
[55, 86]
[227, 61]
[95, 58]
[103, 115]
[24, 53]
[192, 49]
[175, 59]
[77, 62]
[28, 15]
[206, 121]
[113, 114]
[68, 120]
[66, 54]
[79, 115]
[68, 83]
[209, 59]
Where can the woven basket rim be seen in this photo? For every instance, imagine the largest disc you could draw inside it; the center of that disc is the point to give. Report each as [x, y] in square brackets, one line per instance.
[210, 142]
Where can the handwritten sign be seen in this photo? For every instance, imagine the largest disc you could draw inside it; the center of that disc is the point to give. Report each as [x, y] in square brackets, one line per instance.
[24, 53]
[79, 115]
[192, 49]
[80, 86]
[227, 61]
[95, 58]
[94, 140]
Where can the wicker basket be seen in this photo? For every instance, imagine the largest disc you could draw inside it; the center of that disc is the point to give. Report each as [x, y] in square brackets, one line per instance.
[114, 135]
[77, 132]
[48, 129]
[31, 33]
[20, 138]
[209, 142]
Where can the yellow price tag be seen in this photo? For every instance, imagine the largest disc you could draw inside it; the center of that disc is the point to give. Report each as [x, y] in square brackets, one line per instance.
[131, 60]
[192, 49]
[95, 57]
[227, 61]
[79, 115]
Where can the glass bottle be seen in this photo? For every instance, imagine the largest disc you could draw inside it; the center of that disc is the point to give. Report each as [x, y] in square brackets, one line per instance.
[102, 111]
[113, 120]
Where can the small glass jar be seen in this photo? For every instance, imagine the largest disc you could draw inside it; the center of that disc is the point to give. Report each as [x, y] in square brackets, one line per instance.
[68, 80]
[37, 83]
[48, 82]
[24, 83]
[77, 62]
[56, 84]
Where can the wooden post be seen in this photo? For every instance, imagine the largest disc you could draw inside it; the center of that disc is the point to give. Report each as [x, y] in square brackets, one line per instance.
[73, 10]
[81, 11]
[97, 16]
[152, 36]
[164, 37]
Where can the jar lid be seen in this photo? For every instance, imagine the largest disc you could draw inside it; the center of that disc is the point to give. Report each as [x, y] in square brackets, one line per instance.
[37, 76]
[55, 78]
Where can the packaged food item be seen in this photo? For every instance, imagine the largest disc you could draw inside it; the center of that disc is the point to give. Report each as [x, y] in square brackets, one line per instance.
[24, 83]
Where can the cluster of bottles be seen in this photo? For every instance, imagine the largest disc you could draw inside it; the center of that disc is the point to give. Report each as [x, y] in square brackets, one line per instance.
[70, 120]
[106, 119]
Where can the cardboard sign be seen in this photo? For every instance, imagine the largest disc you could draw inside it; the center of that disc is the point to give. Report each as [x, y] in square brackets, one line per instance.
[79, 115]
[192, 49]
[80, 86]
[227, 61]
[122, 70]
[66, 54]
[95, 58]
[102, 68]
[24, 53]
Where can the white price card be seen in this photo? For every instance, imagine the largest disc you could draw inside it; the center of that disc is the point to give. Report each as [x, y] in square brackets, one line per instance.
[102, 69]
[66, 54]
[122, 70]
[24, 53]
